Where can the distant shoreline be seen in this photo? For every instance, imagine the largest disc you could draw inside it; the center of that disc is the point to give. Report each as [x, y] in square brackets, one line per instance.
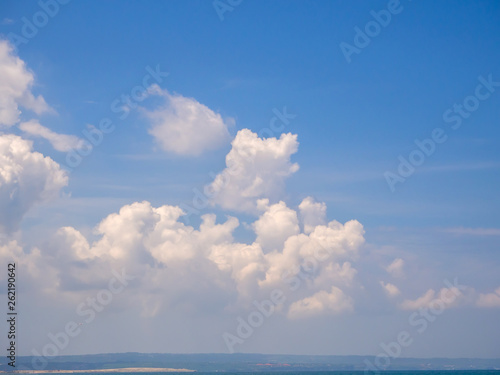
[127, 369]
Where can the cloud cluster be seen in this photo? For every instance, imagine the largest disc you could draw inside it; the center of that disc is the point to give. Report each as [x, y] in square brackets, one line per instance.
[176, 266]
[181, 267]
[183, 126]
[15, 88]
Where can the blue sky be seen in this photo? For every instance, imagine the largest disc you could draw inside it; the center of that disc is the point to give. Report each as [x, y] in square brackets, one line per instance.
[352, 121]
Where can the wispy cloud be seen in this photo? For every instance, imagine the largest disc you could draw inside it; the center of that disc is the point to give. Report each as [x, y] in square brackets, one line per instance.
[15, 88]
[60, 142]
[396, 268]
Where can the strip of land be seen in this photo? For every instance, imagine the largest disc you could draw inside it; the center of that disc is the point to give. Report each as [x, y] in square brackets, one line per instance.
[128, 369]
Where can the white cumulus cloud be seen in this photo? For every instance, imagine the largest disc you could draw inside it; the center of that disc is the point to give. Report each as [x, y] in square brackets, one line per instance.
[489, 299]
[321, 303]
[312, 213]
[391, 289]
[445, 298]
[276, 225]
[184, 126]
[26, 178]
[255, 168]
